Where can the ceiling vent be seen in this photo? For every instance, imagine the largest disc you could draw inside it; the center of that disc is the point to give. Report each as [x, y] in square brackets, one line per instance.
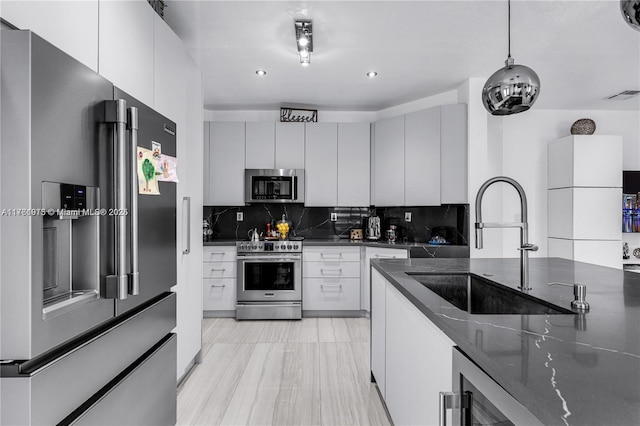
[627, 94]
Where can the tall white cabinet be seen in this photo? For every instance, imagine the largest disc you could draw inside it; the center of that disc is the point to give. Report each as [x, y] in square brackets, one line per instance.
[126, 47]
[388, 162]
[584, 199]
[226, 157]
[321, 164]
[354, 143]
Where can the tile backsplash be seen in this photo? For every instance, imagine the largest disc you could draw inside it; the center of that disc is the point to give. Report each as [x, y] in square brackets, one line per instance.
[448, 221]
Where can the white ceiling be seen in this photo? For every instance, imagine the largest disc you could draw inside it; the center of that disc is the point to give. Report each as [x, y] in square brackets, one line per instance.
[583, 51]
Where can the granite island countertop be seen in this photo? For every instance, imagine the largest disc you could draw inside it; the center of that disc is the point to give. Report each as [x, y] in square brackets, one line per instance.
[581, 369]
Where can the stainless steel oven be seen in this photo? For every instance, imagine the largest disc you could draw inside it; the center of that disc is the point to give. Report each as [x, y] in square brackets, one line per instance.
[274, 185]
[269, 280]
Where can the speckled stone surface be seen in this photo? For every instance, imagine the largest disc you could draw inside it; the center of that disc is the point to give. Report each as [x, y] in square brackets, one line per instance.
[566, 369]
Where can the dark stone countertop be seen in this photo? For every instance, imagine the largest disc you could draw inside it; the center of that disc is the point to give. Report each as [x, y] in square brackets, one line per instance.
[415, 249]
[231, 243]
[565, 369]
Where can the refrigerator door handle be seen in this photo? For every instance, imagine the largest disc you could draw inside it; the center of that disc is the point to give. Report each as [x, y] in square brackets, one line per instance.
[116, 284]
[187, 215]
[134, 276]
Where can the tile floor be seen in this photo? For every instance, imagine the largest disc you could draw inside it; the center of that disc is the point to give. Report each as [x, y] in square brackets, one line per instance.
[309, 372]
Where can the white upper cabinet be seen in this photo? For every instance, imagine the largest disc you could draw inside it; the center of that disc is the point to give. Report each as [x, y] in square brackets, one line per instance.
[388, 162]
[354, 164]
[321, 164]
[453, 154]
[586, 161]
[72, 26]
[422, 158]
[260, 145]
[226, 164]
[126, 46]
[169, 76]
[289, 145]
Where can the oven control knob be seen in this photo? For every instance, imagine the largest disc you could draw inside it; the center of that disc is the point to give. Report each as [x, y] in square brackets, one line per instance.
[289, 247]
[295, 247]
[242, 246]
[260, 246]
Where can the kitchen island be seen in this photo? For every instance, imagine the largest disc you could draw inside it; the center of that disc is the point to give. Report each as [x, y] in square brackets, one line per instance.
[580, 369]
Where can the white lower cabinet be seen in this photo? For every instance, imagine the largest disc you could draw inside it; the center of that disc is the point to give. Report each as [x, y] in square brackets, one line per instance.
[375, 253]
[378, 332]
[219, 281]
[415, 362]
[331, 278]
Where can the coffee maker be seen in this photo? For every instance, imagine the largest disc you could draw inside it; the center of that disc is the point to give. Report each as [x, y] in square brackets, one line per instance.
[372, 228]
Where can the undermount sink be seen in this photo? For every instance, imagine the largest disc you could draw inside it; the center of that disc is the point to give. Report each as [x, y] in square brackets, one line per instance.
[476, 295]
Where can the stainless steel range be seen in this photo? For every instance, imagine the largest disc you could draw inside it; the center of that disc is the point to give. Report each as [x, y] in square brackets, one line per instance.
[269, 280]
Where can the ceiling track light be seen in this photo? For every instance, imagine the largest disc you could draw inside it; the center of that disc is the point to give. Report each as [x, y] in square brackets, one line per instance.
[304, 39]
[511, 89]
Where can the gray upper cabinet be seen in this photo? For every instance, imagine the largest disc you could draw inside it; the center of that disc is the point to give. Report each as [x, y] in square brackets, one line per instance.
[261, 145]
[422, 158]
[226, 164]
[388, 162]
[453, 154]
[289, 145]
[354, 162]
[321, 164]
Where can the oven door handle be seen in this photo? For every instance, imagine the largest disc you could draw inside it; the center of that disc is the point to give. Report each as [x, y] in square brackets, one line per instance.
[268, 259]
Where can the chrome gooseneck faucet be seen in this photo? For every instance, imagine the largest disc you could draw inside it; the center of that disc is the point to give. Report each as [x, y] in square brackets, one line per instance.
[525, 247]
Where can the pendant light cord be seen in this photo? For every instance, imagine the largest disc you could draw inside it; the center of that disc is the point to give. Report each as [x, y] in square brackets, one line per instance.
[509, 32]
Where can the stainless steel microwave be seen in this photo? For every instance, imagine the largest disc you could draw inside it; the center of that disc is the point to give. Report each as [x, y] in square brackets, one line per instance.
[274, 185]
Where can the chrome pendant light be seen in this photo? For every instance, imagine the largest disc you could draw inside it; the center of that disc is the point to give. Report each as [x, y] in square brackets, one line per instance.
[511, 89]
[631, 13]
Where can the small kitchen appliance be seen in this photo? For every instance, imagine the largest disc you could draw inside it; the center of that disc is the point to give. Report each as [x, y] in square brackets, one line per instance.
[373, 228]
[274, 185]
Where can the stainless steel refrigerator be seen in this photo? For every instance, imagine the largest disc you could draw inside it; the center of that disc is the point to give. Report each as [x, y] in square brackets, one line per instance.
[87, 262]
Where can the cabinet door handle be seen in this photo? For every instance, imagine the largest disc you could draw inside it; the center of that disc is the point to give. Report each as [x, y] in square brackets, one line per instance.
[187, 214]
[218, 285]
[336, 271]
[339, 256]
[338, 286]
[383, 256]
[218, 269]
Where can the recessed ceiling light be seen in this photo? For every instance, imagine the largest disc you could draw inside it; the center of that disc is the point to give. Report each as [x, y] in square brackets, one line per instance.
[371, 74]
[261, 72]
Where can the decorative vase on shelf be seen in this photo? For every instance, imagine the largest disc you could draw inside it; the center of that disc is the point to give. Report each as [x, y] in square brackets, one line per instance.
[584, 126]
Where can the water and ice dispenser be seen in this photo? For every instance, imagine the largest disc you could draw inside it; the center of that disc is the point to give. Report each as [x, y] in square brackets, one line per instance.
[71, 246]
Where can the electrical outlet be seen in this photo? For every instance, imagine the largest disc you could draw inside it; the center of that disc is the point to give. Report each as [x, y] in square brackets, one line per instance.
[240, 216]
[407, 216]
[334, 217]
